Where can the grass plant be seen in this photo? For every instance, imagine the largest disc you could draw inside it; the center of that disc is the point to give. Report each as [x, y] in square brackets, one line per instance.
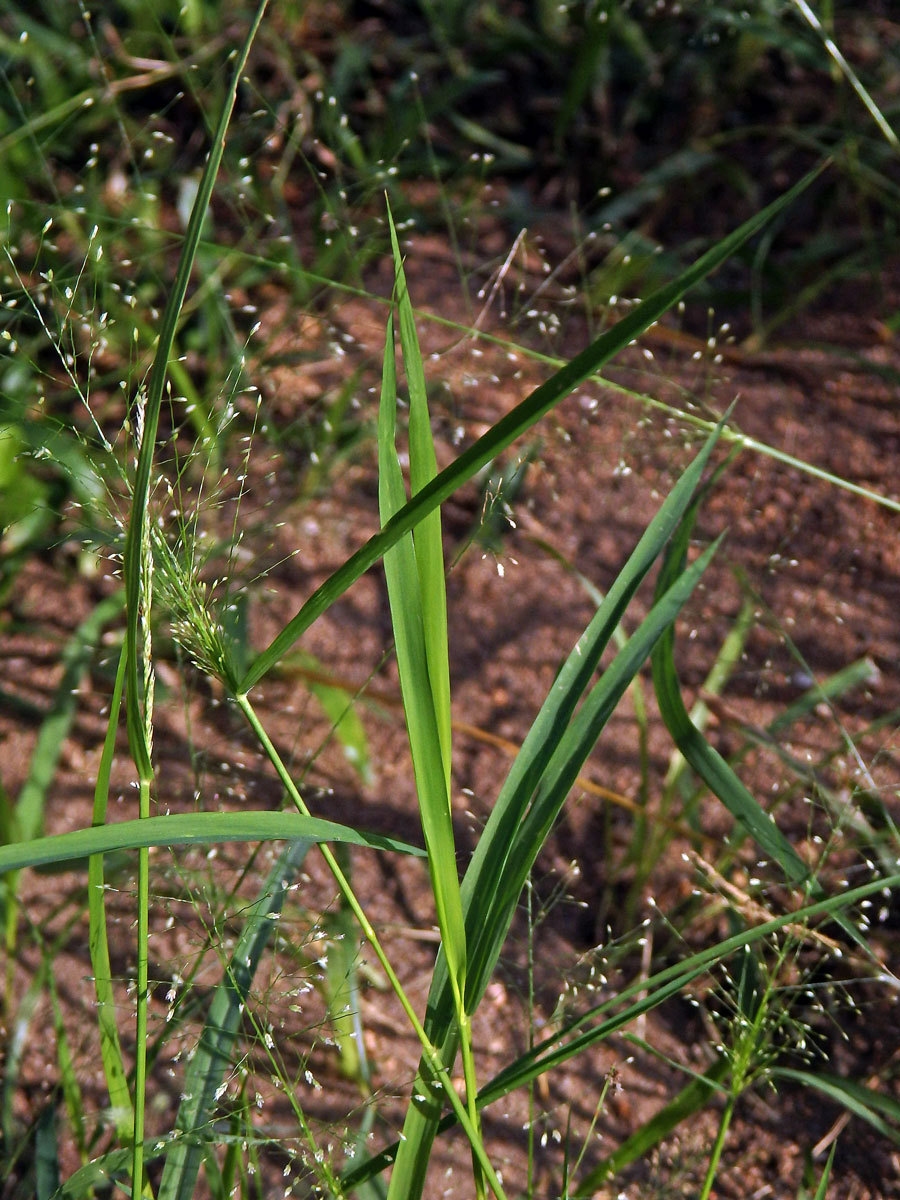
[779, 928]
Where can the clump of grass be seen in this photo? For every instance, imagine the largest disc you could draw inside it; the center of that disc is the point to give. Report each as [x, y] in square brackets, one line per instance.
[473, 914]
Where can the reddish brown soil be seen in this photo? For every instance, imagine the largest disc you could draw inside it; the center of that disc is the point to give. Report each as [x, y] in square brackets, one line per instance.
[826, 568]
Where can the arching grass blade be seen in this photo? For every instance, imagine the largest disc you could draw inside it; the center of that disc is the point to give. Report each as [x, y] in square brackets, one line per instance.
[513, 425]
[189, 829]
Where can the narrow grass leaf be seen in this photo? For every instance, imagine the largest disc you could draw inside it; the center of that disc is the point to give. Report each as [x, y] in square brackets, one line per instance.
[822, 1189]
[513, 425]
[709, 765]
[864, 1102]
[214, 1052]
[189, 829]
[427, 536]
[491, 912]
[407, 614]
[101, 1172]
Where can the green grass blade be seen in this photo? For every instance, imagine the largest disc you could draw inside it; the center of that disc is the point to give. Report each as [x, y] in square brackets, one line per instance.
[822, 1189]
[864, 1102]
[831, 46]
[213, 1055]
[406, 601]
[188, 829]
[414, 570]
[709, 765]
[427, 537]
[114, 1068]
[513, 425]
[491, 912]
[101, 1172]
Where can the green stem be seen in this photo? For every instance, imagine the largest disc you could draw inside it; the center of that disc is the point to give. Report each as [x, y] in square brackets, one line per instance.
[140, 1048]
[468, 1058]
[717, 1148]
[431, 1054]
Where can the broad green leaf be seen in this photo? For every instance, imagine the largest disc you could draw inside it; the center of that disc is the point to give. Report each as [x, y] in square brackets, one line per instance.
[513, 425]
[188, 829]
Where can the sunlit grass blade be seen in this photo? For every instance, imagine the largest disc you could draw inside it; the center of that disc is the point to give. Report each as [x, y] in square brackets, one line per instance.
[101, 1172]
[822, 1189]
[492, 912]
[213, 1055]
[415, 579]
[401, 571]
[513, 425]
[189, 829]
[834, 50]
[427, 536]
